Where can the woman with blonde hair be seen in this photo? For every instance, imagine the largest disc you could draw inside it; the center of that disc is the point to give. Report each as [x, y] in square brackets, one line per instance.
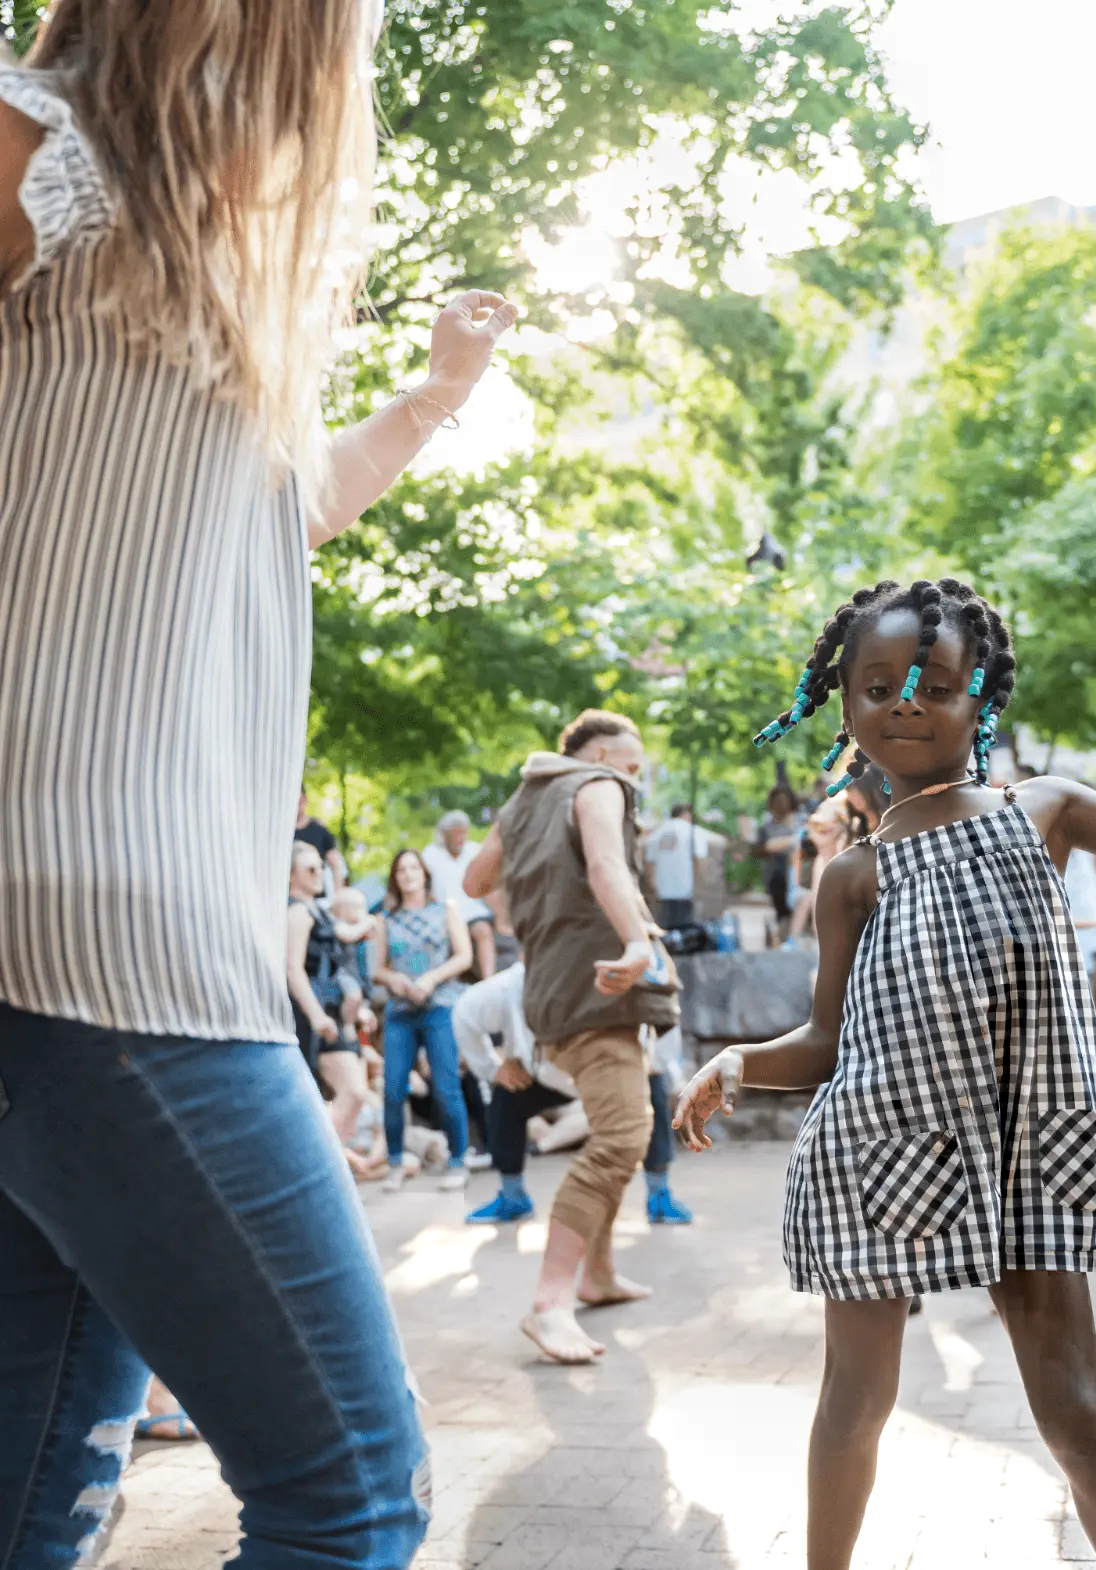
[181, 187]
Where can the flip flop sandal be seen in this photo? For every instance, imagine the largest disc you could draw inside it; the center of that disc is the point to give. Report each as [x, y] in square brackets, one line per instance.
[185, 1429]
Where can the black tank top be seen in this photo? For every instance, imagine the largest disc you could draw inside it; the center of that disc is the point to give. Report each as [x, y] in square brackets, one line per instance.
[321, 955]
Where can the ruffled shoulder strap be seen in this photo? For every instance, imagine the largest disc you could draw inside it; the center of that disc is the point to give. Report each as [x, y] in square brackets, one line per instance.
[63, 192]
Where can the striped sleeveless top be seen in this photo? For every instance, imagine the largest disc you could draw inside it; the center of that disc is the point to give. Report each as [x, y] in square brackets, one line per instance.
[155, 607]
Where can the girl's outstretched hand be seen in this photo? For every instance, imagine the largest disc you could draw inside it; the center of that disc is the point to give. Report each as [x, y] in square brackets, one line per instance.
[713, 1089]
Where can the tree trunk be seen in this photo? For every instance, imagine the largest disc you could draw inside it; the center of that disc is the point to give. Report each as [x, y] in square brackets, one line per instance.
[344, 822]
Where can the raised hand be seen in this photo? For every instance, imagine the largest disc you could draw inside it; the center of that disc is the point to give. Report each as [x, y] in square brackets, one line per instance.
[464, 339]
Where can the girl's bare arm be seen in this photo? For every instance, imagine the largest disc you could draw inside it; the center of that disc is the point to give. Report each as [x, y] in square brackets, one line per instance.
[803, 1058]
[1064, 812]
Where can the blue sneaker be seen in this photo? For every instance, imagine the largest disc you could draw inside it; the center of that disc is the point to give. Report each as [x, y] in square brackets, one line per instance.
[664, 1207]
[501, 1209]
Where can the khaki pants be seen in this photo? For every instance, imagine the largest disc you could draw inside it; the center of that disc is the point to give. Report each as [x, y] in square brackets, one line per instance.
[609, 1067]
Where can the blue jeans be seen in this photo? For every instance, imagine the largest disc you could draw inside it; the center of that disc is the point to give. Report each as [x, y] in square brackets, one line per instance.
[185, 1205]
[660, 1152]
[405, 1034]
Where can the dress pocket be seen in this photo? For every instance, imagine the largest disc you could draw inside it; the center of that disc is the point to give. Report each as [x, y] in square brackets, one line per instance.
[914, 1185]
[1067, 1157]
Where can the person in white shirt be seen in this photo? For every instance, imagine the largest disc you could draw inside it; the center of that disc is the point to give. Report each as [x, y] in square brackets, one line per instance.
[447, 858]
[673, 851]
[522, 1084]
[1080, 881]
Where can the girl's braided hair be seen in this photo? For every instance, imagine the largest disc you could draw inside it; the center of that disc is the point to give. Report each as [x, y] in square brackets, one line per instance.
[948, 601]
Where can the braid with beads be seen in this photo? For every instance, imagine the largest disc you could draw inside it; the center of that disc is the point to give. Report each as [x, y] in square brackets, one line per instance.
[947, 600]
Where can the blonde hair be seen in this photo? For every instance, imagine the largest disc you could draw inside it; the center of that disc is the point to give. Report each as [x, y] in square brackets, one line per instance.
[301, 849]
[240, 142]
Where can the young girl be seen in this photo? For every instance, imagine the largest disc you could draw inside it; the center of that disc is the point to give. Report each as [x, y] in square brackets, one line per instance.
[953, 1140]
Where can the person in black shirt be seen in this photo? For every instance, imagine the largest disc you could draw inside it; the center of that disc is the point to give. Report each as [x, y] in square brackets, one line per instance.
[317, 834]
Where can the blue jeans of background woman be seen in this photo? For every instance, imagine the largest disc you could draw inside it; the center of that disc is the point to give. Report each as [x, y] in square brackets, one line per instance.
[188, 1199]
[406, 1033]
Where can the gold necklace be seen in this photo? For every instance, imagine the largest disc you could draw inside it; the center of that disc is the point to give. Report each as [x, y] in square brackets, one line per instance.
[929, 790]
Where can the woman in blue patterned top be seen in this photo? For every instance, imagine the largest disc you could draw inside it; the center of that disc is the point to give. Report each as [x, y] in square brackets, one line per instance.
[422, 947]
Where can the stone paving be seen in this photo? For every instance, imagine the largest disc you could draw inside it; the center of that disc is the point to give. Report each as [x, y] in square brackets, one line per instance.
[685, 1450]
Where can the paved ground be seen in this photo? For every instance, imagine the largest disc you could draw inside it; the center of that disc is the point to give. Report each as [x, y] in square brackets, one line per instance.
[685, 1450]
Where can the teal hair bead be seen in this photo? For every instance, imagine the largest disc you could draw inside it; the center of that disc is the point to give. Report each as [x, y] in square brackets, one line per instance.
[907, 694]
[839, 785]
[978, 681]
[886, 787]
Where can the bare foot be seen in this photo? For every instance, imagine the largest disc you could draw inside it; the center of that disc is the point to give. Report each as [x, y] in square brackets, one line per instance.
[617, 1289]
[360, 1167]
[560, 1337]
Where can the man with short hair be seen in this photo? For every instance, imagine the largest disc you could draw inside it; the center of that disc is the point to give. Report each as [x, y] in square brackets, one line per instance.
[320, 837]
[567, 847]
[447, 858]
[674, 851]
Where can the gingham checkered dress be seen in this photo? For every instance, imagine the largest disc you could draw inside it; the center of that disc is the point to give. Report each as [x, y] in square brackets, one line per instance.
[957, 1137]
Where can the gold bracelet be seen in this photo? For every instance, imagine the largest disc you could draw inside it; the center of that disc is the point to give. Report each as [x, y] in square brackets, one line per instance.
[448, 422]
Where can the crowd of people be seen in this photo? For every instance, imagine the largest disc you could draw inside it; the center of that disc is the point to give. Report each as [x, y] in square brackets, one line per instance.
[423, 996]
[796, 841]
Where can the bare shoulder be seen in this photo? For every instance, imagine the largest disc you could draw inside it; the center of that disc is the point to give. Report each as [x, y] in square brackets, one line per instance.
[1064, 812]
[599, 797]
[849, 888]
[1049, 790]
[20, 137]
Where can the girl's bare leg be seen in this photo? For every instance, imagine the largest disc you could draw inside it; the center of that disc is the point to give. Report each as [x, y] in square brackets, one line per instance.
[1048, 1316]
[344, 1072]
[859, 1386]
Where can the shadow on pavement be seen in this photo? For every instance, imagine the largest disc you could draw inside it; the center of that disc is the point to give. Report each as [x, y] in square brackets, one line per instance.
[600, 1496]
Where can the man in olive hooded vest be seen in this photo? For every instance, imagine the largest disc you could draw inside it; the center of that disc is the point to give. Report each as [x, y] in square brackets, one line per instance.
[567, 848]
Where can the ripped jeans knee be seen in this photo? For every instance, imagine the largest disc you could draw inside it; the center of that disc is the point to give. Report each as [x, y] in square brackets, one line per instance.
[111, 1444]
[66, 1435]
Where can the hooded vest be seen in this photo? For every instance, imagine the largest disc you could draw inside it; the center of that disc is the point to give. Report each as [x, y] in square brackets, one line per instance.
[560, 924]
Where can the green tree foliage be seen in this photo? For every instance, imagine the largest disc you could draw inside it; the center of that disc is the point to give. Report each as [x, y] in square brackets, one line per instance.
[469, 614]
[1048, 575]
[497, 112]
[499, 109]
[1014, 407]
[19, 22]
[999, 473]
